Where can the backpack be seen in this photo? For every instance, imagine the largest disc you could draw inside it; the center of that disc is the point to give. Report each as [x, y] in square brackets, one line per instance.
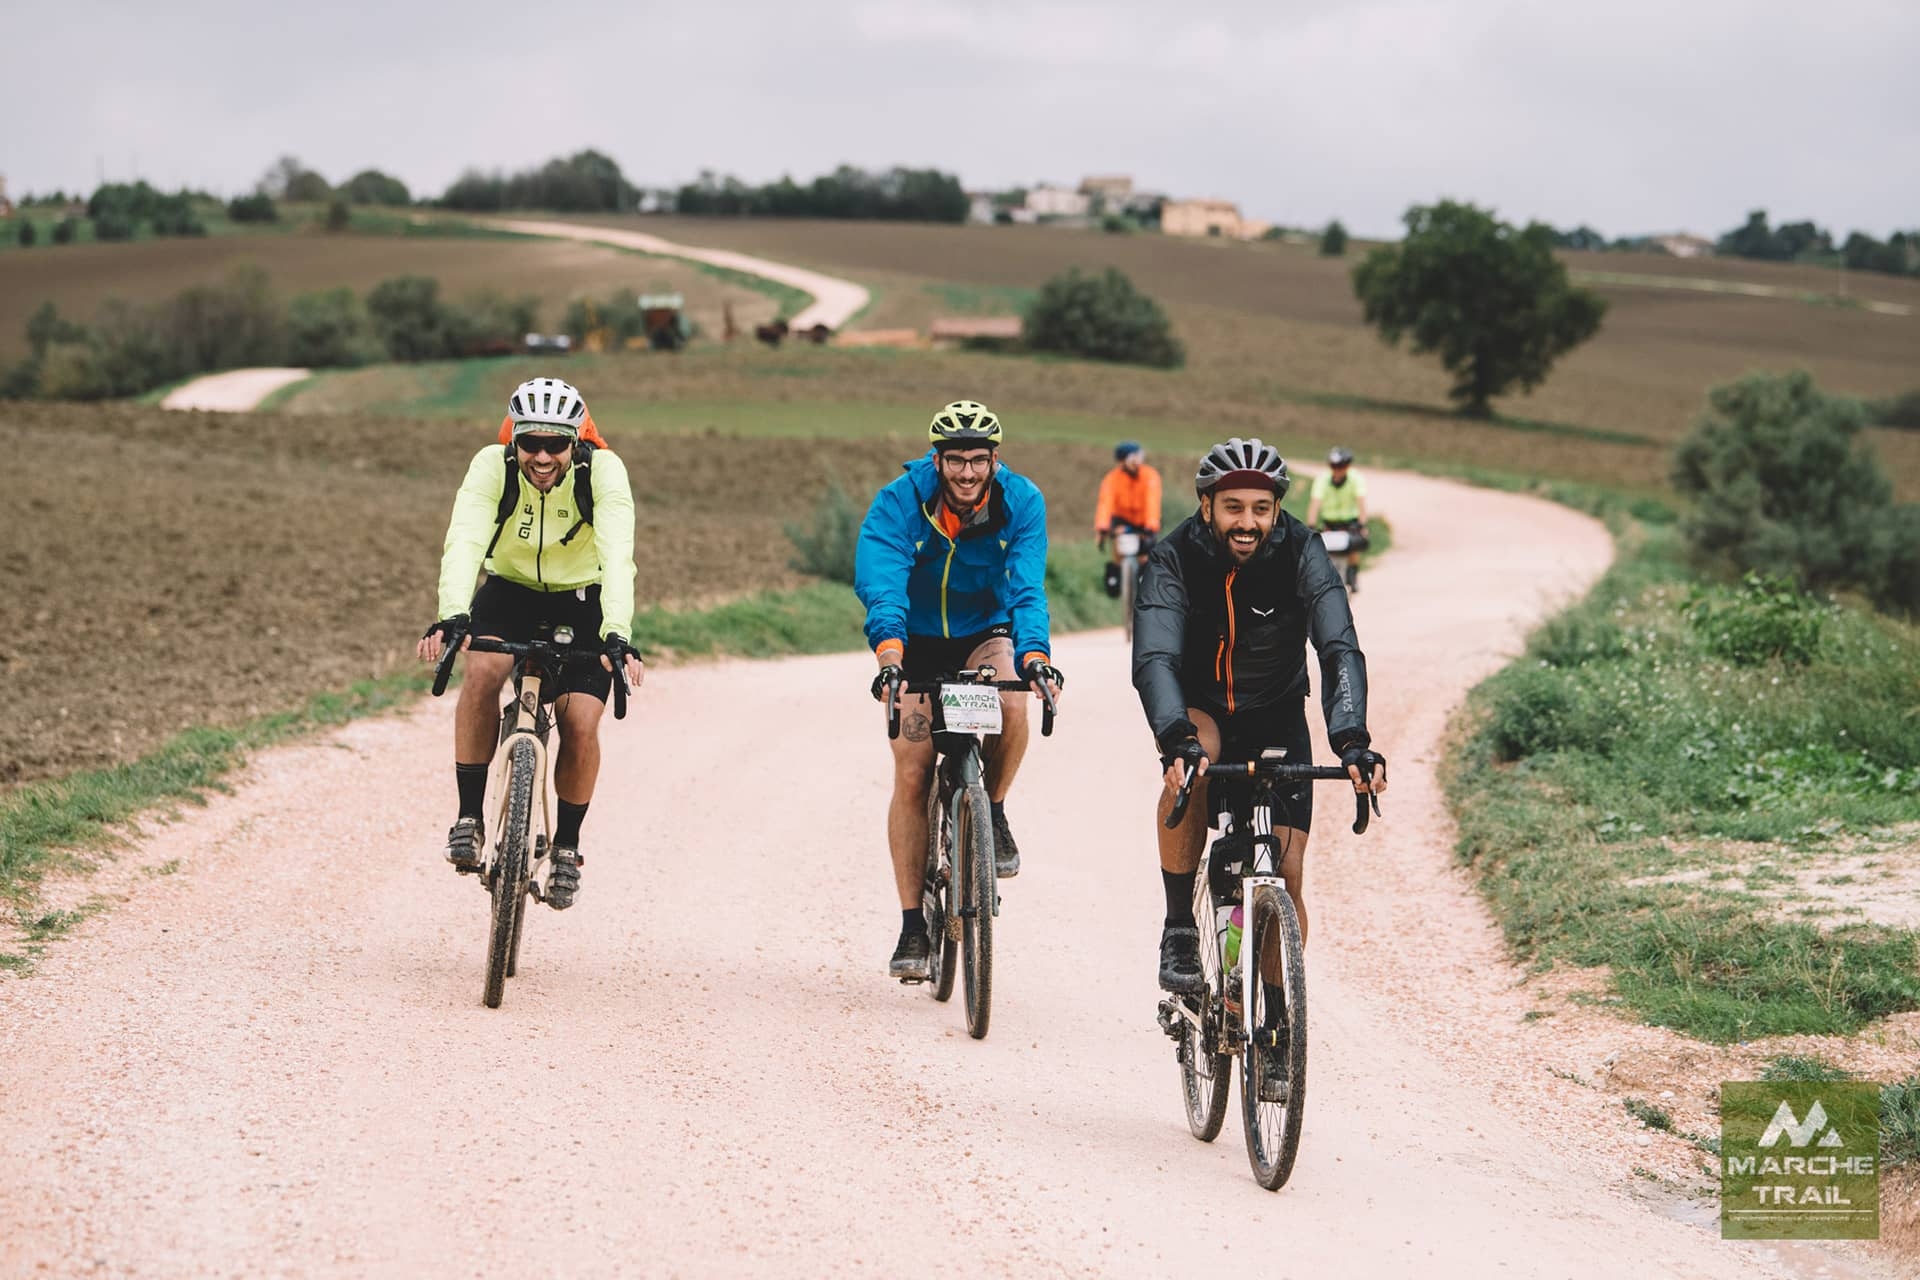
[582, 473]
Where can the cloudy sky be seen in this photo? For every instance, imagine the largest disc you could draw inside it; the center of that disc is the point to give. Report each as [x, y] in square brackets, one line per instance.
[1634, 116]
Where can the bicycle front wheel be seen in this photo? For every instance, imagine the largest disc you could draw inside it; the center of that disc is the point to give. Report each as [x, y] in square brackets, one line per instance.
[509, 884]
[1273, 1122]
[1205, 1076]
[973, 875]
[1129, 580]
[937, 898]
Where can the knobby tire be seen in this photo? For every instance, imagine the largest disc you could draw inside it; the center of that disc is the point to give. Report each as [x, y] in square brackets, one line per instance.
[1129, 582]
[1206, 1079]
[976, 882]
[938, 900]
[1273, 1129]
[510, 868]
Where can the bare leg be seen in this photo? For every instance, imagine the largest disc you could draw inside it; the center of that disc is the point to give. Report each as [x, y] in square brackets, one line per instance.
[476, 718]
[907, 809]
[1180, 848]
[579, 764]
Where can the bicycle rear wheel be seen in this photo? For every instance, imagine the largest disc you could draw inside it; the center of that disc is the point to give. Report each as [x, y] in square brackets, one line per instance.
[973, 875]
[1273, 1127]
[509, 884]
[937, 898]
[1205, 1077]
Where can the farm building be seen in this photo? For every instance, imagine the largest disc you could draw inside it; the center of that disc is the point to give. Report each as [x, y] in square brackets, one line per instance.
[1056, 202]
[1683, 245]
[1201, 218]
[1107, 194]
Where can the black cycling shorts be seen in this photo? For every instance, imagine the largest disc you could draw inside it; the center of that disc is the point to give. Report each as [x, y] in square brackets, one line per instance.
[1244, 735]
[930, 656]
[508, 611]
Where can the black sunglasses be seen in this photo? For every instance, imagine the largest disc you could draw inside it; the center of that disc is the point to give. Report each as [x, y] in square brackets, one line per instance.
[532, 445]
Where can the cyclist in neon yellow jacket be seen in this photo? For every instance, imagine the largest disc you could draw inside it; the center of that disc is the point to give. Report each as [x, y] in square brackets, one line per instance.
[1338, 500]
[550, 520]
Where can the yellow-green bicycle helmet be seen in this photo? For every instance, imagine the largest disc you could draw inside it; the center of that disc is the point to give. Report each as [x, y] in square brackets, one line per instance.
[964, 422]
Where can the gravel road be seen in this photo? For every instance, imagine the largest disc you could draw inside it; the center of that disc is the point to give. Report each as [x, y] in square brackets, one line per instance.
[835, 301]
[271, 1058]
[234, 391]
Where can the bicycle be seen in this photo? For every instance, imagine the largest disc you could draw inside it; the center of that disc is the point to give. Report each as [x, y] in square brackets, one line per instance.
[1130, 546]
[519, 863]
[960, 893]
[1219, 1023]
[1344, 541]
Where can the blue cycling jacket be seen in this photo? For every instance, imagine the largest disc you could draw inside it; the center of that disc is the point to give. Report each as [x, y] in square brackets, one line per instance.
[915, 580]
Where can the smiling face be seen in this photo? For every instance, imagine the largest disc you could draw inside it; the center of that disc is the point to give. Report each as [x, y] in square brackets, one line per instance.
[543, 458]
[964, 475]
[1242, 519]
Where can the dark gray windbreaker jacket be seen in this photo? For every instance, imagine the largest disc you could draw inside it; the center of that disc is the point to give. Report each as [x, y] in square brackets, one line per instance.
[1228, 640]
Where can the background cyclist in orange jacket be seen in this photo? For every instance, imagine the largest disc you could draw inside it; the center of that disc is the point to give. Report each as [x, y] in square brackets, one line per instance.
[1129, 500]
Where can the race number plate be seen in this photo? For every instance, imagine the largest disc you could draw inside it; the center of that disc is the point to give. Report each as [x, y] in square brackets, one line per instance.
[970, 709]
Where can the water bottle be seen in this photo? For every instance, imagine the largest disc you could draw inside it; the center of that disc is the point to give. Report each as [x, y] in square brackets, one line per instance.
[1233, 938]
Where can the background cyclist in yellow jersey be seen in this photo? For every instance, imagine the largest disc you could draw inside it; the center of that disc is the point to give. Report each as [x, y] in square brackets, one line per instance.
[550, 518]
[1338, 500]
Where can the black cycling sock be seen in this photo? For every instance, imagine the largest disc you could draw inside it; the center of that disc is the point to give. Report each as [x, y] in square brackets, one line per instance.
[1179, 886]
[913, 920]
[566, 832]
[999, 808]
[472, 781]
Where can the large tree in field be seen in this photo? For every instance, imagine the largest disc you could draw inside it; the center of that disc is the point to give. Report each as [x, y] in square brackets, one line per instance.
[1490, 298]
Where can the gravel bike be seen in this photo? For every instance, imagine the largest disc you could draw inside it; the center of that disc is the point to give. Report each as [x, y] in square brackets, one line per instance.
[960, 894]
[518, 865]
[1130, 546]
[1247, 965]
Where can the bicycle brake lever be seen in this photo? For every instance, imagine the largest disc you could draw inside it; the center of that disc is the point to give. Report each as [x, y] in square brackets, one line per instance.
[442, 672]
[620, 689]
[893, 709]
[1181, 800]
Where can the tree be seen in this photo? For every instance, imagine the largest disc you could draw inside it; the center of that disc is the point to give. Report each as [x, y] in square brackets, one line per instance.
[27, 233]
[1101, 317]
[289, 179]
[254, 208]
[370, 186]
[1333, 241]
[410, 320]
[329, 328]
[1783, 482]
[1491, 299]
[65, 229]
[339, 216]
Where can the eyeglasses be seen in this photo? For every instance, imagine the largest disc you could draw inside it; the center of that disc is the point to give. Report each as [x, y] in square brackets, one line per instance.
[979, 462]
[533, 446]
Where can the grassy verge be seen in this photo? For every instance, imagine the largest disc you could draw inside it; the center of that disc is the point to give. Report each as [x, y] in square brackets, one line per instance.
[1630, 798]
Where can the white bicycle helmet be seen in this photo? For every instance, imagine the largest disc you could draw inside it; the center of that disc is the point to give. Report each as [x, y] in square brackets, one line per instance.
[1247, 463]
[547, 405]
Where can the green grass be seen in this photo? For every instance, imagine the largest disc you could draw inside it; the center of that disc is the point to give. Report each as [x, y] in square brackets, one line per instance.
[981, 299]
[1900, 1122]
[1648, 1114]
[1803, 1067]
[1618, 753]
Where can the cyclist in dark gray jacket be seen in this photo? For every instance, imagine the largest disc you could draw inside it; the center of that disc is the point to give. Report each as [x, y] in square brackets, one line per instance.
[1225, 609]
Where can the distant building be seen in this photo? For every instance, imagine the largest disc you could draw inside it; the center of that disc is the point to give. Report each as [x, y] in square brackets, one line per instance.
[1107, 194]
[1056, 202]
[6, 205]
[1683, 245]
[1201, 218]
[980, 206]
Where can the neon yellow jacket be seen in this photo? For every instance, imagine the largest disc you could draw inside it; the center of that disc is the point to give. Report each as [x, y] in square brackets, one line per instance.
[529, 551]
[1337, 501]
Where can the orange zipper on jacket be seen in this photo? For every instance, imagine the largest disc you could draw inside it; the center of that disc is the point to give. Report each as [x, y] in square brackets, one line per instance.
[1227, 651]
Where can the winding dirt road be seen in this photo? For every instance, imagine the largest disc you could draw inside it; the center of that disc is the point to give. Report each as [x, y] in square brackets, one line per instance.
[272, 1058]
[835, 301]
[231, 391]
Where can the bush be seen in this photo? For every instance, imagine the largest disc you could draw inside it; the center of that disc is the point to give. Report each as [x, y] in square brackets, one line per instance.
[1333, 241]
[45, 327]
[1530, 713]
[20, 381]
[307, 187]
[339, 216]
[253, 208]
[410, 320]
[1490, 298]
[1118, 224]
[65, 229]
[1101, 317]
[112, 225]
[174, 216]
[1893, 560]
[825, 547]
[71, 371]
[1895, 411]
[490, 323]
[27, 234]
[330, 329]
[370, 186]
[1900, 1122]
[1763, 618]
[1781, 481]
[616, 317]
[231, 325]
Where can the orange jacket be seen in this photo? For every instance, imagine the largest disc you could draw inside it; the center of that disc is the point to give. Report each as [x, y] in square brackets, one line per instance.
[588, 432]
[1129, 496]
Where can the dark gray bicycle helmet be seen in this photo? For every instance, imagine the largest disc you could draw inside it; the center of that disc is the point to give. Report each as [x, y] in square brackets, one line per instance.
[1247, 463]
[1340, 456]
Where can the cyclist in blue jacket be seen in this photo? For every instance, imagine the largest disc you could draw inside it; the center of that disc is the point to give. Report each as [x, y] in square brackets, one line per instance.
[952, 566]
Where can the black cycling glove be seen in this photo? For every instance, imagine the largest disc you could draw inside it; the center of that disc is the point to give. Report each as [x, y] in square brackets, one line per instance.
[1039, 670]
[452, 630]
[617, 650]
[1363, 758]
[1176, 746]
[889, 674]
